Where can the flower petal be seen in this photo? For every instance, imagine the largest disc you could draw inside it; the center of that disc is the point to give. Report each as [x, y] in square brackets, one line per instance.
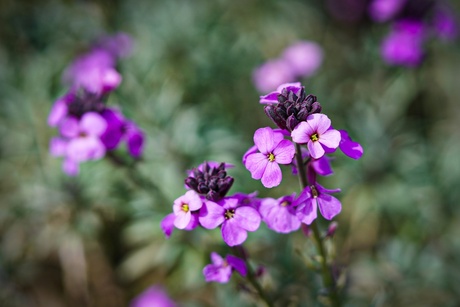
[329, 206]
[322, 122]
[272, 175]
[216, 259]
[330, 138]
[302, 132]
[352, 149]
[211, 215]
[238, 264]
[315, 149]
[182, 219]
[284, 152]
[85, 148]
[247, 218]
[69, 127]
[58, 147]
[167, 224]
[232, 233]
[264, 140]
[58, 112]
[256, 164]
[93, 124]
[307, 211]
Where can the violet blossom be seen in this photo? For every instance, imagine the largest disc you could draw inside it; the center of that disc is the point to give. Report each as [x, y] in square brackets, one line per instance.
[221, 269]
[272, 151]
[183, 208]
[280, 214]
[313, 197]
[235, 218]
[155, 296]
[304, 58]
[316, 133]
[350, 148]
[272, 73]
[385, 10]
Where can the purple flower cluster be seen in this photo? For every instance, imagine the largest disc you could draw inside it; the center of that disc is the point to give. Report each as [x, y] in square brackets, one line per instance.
[87, 127]
[301, 59]
[413, 23]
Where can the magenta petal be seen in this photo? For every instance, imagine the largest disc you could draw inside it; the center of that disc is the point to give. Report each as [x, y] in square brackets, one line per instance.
[284, 152]
[352, 149]
[182, 219]
[69, 127]
[264, 140]
[247, 218]
[322, 122]
[302, 132]
[322, 166]
[167, 224]
[85, 148]
[272, 176]
[232, 233]
[329, 206]
[57, 113]
[215, 273]
[293, 86]
[323, 190]
[330, 138]
[271, 98]
[250, 151]
[211, 215]
[238, 264]
[93, 124]
[256, 163]
[315, 149]
[307, 211]
[282, 219]
[58, 147]
[217, 259]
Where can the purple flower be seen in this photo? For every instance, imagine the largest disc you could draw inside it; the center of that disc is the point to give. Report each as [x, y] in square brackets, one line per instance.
[271, 74]
[134, 139]
[154, 296]
[272, 151]
[352, 149]
[403, 46]
[280, 214]
[236, 219]
[316, 133]
[384, 10]
[94, 72]
[304, 58]
[315, 196]
[445, 24]
[183, 207]
[115, 128]
[119, 45]
[221, 269]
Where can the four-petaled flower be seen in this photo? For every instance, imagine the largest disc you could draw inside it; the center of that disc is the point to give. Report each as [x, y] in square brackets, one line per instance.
[316, 133]
[280, 214]
[273, 150]
[315, 196]
[221, 269]
[236, 219]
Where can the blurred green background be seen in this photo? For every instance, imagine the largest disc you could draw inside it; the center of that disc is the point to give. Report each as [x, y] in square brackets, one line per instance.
[95, 240]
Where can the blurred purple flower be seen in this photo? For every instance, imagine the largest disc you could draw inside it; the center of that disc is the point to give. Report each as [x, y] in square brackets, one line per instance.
[236, 219]
[350, 148]
[315, 196]
[404, 45]
[316, 133]
[385, 10]
[155, 296]
[280, 214]
[445, 24]
[221, 269]
[120, 45]
[271, 74]
[304, 58]
[273, 150]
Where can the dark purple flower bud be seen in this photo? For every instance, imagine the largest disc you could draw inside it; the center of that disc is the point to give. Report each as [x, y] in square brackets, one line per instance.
[210, 180]
[293, 107]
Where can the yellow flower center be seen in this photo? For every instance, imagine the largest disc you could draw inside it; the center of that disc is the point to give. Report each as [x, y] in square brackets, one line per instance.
[229, 214]
[314, 137]
[185, 207]
[271, 157]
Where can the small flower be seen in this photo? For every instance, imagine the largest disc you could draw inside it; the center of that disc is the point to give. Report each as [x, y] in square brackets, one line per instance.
[315, 196]
[272, 73]
[236, 219]
[304, 58]
[384, 10]
[210, 181]
[221, 269]
[272, 151]
[445, 24]
[316, 133]
[154, 296]
[280, 214]
[183, 208]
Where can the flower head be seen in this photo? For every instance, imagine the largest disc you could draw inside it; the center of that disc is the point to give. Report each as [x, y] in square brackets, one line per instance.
[315, 196]
[384, 10]
[293, 106]
[221, 269]
[210, 181]
[273, 150]
[184, 206]
[304, 58]
[280, 214]
[316, 133]
[236, 219]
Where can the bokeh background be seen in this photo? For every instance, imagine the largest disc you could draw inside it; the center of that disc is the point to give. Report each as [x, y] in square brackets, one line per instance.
[95, 240]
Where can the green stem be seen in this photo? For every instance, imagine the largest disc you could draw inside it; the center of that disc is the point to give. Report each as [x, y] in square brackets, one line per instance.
[328, 279]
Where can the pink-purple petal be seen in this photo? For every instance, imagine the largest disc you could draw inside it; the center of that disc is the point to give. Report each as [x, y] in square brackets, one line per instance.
[69, 127]
[211, 215]
[301, 133]
[58, 147]
[256, 163]
[284, 152]
[57, 113]
[352, 149]
[272, 176]
[330, 138]
[264, 140]
[238, 264]
[307, 211]
[217, 259]
[167, 224]
[247, 218]
[93, 124]
[329, 206]
[182, 219]
[321, 122]
[232, 233]
[315, 149]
